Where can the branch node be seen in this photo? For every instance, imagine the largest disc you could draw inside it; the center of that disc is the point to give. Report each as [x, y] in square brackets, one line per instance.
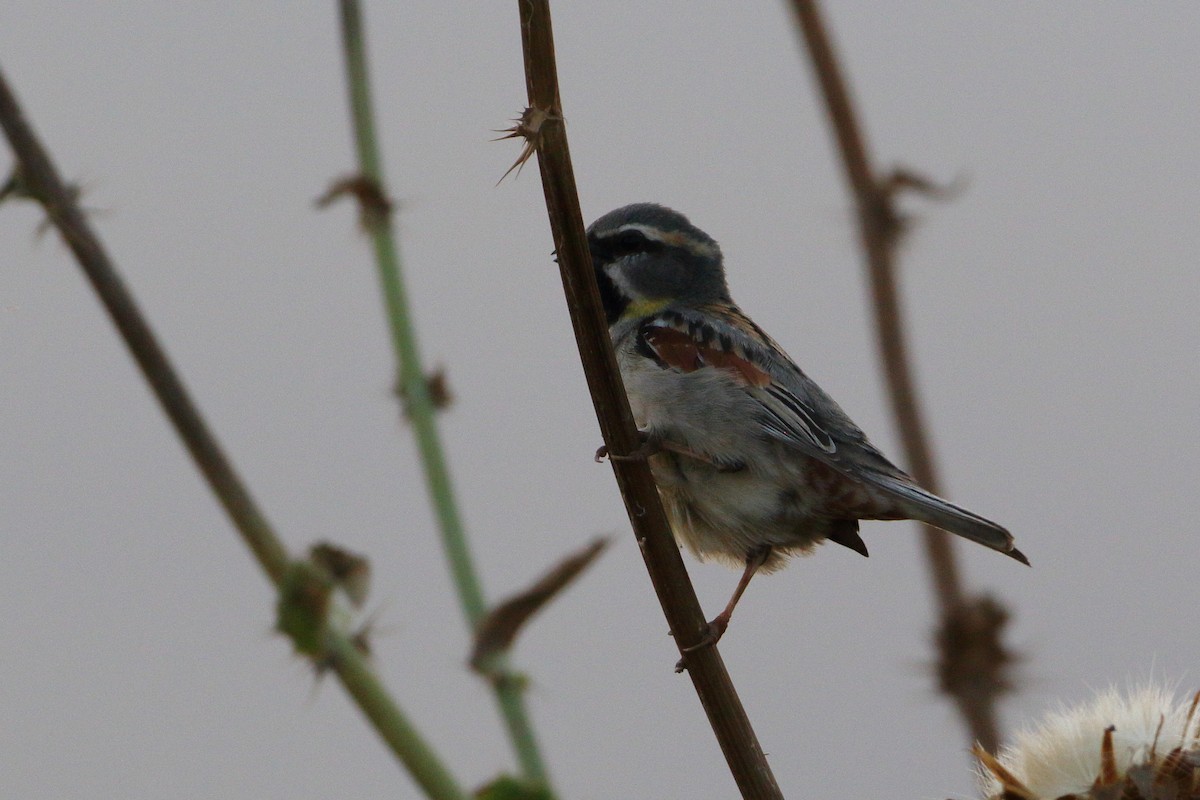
[436, 386]
[374, 206]
[15, 187]
[528, 127]
[348, 571]
[973, 662]
[905, 179]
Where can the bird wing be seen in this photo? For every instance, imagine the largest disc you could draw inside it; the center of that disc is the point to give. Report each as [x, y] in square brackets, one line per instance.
[794, 410]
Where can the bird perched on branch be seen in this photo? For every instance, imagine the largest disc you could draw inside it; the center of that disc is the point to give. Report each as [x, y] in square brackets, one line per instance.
[754, 463]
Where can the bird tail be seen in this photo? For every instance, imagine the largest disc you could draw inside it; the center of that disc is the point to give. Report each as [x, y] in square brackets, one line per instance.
[929, 508]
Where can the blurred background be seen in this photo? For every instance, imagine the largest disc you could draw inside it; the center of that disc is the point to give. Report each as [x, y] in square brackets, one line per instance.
[1051, 308]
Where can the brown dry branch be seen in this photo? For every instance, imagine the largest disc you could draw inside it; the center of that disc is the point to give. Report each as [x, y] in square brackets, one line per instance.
[325, 645]
[663, 561]
[969, 626]
[40, 181]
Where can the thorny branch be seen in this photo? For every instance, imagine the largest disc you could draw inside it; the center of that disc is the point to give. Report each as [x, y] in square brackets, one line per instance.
[42, 183]
[973, 660]
[419, 393]
[663, 561]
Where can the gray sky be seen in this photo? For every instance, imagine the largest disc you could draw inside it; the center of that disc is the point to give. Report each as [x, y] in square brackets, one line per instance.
[1052, 310]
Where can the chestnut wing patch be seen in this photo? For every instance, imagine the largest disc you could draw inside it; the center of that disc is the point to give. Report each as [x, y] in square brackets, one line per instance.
[786, 417]
[676, 349]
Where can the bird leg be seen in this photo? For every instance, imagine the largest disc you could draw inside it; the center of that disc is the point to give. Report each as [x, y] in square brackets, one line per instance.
[716, 628]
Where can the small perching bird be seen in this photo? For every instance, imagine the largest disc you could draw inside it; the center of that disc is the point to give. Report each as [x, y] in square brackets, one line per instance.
[753, 461]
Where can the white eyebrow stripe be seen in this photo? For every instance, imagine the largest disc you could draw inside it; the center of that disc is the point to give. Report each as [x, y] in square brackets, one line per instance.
[673, 239]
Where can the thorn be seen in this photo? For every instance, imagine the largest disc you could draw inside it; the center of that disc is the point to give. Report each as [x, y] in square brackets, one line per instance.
[349, 571]
[528, 127]
[373, 204]
[436, 386]
[1108, 760]
[439, 388]
[14, 186]
[906, 179]
[498, 630]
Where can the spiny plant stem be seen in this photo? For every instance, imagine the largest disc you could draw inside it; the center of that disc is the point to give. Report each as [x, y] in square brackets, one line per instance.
[736, 737]
[411, 383]
[402, 738]
[418, 403]
[973, 623]
[44, 185]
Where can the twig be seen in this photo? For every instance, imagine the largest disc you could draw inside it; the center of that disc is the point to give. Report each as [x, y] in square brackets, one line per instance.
[360, 681]
[675, 593]
[971, 623]
[414, 388]
[44, 185]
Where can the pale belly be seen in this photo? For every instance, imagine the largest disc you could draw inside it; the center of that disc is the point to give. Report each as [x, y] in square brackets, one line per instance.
[725, 516]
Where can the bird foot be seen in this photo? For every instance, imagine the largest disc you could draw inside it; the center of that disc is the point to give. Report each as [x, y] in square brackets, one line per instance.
[713, 632]
[650, 445]
[653, 445]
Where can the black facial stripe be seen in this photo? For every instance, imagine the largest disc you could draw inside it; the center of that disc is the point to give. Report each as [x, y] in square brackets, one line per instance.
[606, 249]
[611, 298]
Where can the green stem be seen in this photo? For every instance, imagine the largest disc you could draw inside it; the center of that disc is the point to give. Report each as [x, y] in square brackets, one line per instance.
[362, 684]
[415, 391]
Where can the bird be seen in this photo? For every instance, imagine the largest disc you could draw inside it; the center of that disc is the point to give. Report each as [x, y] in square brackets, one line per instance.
[753, 461]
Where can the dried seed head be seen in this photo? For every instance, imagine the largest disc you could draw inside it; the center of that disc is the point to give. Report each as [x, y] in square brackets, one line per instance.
[1140, 746]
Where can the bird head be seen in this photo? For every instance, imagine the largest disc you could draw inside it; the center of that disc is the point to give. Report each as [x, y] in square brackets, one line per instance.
[648, 257]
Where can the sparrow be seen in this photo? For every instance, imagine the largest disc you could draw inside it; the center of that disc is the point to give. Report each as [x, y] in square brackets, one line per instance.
[753, 461]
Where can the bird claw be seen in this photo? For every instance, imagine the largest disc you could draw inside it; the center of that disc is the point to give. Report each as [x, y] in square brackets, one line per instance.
[653, 445]
[649, 446]
[713, 632]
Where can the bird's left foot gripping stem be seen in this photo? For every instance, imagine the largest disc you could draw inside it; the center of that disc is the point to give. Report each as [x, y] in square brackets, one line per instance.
[652, 444]
[649, 445]
[713, 631]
